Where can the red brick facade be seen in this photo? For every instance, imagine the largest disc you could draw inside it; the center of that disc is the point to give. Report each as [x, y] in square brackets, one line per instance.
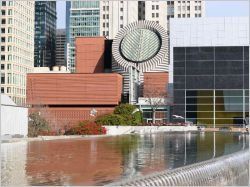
[89, 54]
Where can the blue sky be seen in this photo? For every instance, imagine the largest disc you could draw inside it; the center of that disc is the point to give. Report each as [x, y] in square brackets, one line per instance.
[213, 9]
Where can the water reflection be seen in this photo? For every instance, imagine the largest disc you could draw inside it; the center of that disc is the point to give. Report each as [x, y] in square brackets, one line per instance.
[103, 160]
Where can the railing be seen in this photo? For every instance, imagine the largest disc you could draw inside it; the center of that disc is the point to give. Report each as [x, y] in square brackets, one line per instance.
[231, 169]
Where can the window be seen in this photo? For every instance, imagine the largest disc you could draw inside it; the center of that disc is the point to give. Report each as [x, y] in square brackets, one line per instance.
[157, 22]
[107, 16]
[2, 48]
[2, 90]
[2, 66]
[121, 17]
[153, 7]
[8, 89]
[103, 24]
[179, 15]
[188, 7]
[9, 12]
[2, 78]
[2, 30]
[168, 2]
[9, 30]
[188, 15]
[107, 8]
[103, 8]
[10, 21]
[2, 12]
[107, 33]
[183, 15]
[121, 9]
[121, 1]
[157, 7]
[3, 57]
[8, 66]
[107, 24]
[196, 8]
[121, 26]
[3, 21]
[153, 15]
[103, 16]
[3, 3]
[157, 15]
[103, 33]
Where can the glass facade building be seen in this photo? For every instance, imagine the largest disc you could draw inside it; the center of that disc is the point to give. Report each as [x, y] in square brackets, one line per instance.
[82, 19]
[211, 84]
[45, 33]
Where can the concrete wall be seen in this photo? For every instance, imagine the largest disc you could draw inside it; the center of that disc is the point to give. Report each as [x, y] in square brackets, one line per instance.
[119, 130]
[14, 120]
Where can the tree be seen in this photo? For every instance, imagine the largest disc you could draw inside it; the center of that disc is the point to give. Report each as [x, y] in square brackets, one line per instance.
[37, 124]
[155, 98]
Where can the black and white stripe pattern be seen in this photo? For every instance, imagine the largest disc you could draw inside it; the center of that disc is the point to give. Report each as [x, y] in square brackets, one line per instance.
[158, 63]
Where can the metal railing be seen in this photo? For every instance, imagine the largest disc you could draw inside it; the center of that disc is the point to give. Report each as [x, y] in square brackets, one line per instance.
[232, 169]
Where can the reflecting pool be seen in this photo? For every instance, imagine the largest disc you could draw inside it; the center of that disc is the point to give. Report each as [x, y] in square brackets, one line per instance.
[102, 160]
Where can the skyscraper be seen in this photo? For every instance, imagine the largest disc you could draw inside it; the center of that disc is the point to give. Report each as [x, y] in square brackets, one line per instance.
[82, 19]
[45, 33]
[162, 11]
[60, 47]
[96, 18]
[17, 47]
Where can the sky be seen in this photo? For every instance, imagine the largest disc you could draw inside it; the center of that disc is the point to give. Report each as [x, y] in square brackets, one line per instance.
[213, 9]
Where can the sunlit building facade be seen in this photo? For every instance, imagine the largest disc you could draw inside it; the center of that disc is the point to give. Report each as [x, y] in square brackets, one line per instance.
[17, 47]
[211, 72]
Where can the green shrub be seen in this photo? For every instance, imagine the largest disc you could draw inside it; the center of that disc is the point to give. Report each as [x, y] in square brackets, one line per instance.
[124, 109]
[111, 119]
[123, 115]
[37, 125]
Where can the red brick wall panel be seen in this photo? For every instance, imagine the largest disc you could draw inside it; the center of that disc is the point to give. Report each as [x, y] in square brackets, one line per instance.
[89, 54]
[61, 117]
[74, 89]
[155, 82]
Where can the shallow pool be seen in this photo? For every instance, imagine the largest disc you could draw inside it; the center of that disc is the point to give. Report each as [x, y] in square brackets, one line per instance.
[99, 161]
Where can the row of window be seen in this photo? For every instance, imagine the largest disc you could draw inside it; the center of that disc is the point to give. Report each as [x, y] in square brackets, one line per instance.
[155, 7]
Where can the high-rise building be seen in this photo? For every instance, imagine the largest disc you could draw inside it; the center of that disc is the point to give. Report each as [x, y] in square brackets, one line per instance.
[96, 18]
[17, 47]
[60, 47]
[115, 15]
[45, 33]
[82, 19]
[162, 11]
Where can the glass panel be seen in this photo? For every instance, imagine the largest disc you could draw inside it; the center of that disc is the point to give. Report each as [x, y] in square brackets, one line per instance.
[200, 67]
[228, 67]
[199, 82]
[229, 82]
[228, 53]
[179, 53]
[199, 53]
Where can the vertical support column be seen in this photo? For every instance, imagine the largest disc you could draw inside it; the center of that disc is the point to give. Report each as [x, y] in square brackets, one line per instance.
[185, 106]
[244, 108]
[214, 108]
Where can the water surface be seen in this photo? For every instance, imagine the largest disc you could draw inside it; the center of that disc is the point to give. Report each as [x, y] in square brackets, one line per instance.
[99, 161]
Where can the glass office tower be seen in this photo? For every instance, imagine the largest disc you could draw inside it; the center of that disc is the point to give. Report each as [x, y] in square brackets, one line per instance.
[211, 84]
[82, 19]
[45, 33]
